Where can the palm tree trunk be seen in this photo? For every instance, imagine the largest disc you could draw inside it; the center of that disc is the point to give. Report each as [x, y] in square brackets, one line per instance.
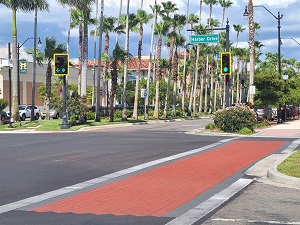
[95, 55]
[80, 57]
[119, 18]
[251, 46]
[97, 116]
[195, 80]
[136, 96]
[32, 116]
[146, 116]
[158, 78]
[184, 62]
[84, 57]
[124, 116]
[14, 78]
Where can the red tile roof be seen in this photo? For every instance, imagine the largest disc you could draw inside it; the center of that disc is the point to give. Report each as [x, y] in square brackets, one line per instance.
[132, 63]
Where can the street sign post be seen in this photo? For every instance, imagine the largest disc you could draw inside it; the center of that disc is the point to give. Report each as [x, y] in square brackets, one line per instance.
[144, 93]
[205, 38]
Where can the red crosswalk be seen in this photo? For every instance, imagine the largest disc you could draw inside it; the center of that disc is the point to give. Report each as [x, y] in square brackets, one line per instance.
[161, 190]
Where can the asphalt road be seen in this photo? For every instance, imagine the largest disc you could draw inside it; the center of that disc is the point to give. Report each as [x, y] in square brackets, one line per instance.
[35, 163]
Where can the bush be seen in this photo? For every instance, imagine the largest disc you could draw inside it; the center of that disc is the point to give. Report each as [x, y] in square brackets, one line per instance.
[90, 115]
[3, 104]
[210, 126]
[245, 131]
[233, 119]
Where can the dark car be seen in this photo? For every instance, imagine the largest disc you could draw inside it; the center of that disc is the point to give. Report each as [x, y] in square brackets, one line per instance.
[263, 113]
[3, 116]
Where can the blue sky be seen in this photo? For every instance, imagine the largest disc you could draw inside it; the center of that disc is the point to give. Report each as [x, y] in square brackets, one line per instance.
[55, 23]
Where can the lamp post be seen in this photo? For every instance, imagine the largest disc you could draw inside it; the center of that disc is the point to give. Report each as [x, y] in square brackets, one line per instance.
[278, 18]
[18, 53]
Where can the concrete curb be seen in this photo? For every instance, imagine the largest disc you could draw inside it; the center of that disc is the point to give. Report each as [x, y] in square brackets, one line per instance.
[278, 177]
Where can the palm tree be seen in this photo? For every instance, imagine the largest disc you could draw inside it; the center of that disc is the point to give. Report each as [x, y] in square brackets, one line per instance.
[38, 5]
[210, 3]
[168, 8]
[239, 29]
[14, 5]
[130, 22]
[156, 10]
[51, 47]
[119, 19]
[119, 54]
[124, 115]
[225, 4]
[251, 47]
[179, 42]
[85, 7]
[108, 27]
[161, 29]
[142, 17]
[77, 20]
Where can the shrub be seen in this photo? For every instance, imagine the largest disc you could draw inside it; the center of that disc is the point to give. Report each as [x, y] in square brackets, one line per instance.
[3, 104]
[233, 119]
[90, 115]
[210, 126]
[245, 131]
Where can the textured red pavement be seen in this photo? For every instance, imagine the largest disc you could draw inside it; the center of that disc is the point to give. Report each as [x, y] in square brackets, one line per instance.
[163, 189]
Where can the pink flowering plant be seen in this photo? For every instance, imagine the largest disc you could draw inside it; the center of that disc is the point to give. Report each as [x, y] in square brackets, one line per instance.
[235, 118]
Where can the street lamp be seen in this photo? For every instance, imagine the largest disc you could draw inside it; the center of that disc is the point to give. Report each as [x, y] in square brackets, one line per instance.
[278, 18]
[18, 53]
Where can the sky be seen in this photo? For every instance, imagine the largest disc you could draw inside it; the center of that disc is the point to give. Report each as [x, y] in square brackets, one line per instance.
[55, 24]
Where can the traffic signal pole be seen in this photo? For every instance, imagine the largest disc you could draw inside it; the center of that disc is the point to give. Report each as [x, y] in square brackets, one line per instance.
[227, 77]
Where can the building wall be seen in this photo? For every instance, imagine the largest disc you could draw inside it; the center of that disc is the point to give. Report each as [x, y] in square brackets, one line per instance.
[26, 82]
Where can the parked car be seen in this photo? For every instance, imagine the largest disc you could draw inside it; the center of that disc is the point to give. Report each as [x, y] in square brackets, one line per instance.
[25, 112]
[3, 116]
[264, 113]
[53, 113]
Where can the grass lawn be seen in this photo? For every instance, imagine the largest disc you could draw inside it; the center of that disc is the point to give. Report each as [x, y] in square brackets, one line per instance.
[291, 166]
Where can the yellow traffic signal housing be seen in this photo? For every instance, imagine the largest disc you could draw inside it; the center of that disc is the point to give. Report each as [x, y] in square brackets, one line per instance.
[226, 63]
[61, 64]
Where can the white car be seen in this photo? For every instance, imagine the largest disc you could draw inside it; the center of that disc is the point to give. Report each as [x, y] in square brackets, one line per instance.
[25, 112]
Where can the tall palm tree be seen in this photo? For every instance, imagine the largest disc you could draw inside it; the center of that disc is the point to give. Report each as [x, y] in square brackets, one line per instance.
[161, 29]
[38, 5]
[119, 54]
[225, 4]
[142, 18]
[85, 7]
[179, 42]
[119, 19]
[239, 29]
[77, 20]
[211, 3]
[51, 48]
[15, 5]
[127, 29]
[130, 23]
[185, 59]
[251, 47]
[156, 10]
[168, 9]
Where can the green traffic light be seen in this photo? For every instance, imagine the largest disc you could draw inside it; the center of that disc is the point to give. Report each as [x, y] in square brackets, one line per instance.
[225, 69]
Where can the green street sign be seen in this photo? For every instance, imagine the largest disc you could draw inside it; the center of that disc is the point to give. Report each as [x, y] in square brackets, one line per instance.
[205, 38]
[23, 66]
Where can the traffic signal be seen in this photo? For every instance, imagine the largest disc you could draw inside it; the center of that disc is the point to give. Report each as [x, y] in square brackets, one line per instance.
[61, 64]
[225, 63]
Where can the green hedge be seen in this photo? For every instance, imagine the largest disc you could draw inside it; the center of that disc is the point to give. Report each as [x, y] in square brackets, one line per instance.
[234, 119]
